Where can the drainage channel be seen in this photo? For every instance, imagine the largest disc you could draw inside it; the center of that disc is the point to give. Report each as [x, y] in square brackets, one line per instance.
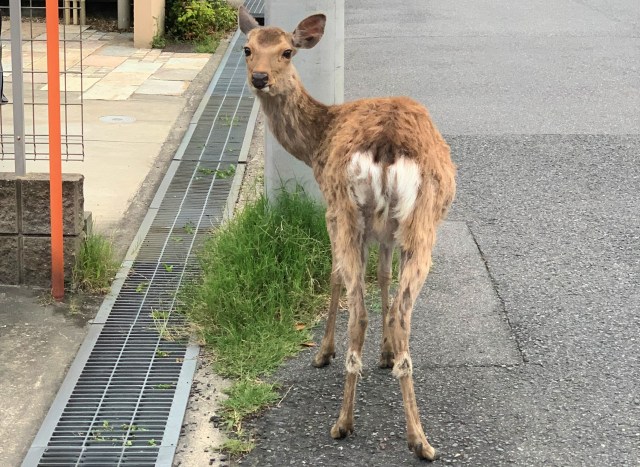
[123, 399]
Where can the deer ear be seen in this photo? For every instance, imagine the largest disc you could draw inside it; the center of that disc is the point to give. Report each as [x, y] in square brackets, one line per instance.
[246, 21]
[309, 31]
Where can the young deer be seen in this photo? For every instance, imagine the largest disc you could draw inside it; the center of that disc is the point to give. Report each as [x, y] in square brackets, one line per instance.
[386, 175]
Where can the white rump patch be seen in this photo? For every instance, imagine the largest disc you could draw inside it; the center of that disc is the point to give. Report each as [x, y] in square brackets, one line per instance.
[366, 177]
[403, 179]
[402, 183]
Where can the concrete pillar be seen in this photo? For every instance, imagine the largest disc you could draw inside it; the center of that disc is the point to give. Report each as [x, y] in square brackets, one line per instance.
[322, 72]
[148, 21]
[124, 14]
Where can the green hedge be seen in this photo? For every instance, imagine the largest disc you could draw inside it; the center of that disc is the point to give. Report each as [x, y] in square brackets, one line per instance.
[195, 20]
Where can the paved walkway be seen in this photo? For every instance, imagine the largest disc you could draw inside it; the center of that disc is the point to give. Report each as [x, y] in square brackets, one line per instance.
[132, 99]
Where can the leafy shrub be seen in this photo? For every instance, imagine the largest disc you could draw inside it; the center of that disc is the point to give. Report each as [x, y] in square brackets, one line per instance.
[195, 20]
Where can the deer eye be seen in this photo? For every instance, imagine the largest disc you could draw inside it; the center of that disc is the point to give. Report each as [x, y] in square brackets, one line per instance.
[247, 51]
[287, 53]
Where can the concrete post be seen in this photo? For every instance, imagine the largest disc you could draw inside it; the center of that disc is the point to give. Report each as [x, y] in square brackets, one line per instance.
[322, 72]
[124, 14]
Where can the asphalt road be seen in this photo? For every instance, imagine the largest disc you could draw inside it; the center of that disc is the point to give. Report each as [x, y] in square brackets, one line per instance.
[526, 338]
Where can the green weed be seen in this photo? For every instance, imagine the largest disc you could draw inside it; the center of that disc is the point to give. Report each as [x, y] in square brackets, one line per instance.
[229, 121]
[237, 447]
[189, 227]
[246, 397]
[163, 386]
[95, 265]
[220, 173]
[158, 41]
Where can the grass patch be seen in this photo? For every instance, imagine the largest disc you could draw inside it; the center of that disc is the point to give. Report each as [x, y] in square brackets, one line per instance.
[263, 274]
[207, 45]
[95, 265]
[265, 278]
[246, 398]
[237, 447]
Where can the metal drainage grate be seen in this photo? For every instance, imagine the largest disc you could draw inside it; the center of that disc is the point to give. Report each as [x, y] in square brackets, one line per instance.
[123, 400]
[255, 7]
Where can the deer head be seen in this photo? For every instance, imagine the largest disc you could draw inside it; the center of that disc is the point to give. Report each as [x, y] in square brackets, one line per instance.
[269, 51]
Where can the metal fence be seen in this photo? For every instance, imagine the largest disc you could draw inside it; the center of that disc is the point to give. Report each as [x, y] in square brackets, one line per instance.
[24, 116]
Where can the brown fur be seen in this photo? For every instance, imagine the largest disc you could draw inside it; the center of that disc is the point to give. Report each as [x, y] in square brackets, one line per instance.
[326, 138]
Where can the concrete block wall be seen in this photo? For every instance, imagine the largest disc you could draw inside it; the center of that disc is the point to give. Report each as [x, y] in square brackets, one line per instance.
[25, 234]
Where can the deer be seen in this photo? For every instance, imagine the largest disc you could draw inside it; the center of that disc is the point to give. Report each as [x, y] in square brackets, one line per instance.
[386, 176]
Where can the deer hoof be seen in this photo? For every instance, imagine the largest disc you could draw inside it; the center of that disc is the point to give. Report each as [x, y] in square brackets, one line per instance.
[322, 359]
[341, 430]
[428, 453]
[386, 360]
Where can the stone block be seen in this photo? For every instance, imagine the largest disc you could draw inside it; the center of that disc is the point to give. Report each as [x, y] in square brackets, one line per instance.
[8, 203]
[10, 264]
[36, 259]
[34, 204]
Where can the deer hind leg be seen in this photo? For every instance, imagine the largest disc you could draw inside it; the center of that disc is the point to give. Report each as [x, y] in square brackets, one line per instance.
[415, 267]
[327, 347]
[384, 278]
[352, 252]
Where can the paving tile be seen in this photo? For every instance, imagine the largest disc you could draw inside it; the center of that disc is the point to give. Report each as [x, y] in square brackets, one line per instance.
[104, 60]
[186, 63]
[136, 66]
[88, 50]
[109, 91]
[125, 79]
[176, 74]
[36, 46]
[116, 51]
[163, 87]
[194, 55]
[38, 78]
[37, 65]
[74, 83]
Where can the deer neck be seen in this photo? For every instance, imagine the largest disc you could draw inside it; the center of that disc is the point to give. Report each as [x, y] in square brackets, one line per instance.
[298, 121]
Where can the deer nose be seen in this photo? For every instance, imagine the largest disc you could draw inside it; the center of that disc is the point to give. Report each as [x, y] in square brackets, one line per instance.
[259, 80]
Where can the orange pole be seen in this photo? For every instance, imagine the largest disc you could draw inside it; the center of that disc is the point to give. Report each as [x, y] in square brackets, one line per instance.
[55, 151]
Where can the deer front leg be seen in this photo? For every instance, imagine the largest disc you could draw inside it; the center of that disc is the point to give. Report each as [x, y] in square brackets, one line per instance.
[414, 271]
[327, 347]
[352, 268]
[384, 278]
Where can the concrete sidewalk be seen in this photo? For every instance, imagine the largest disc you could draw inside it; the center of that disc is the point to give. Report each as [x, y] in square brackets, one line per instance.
[124, 162]
[133, 99]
